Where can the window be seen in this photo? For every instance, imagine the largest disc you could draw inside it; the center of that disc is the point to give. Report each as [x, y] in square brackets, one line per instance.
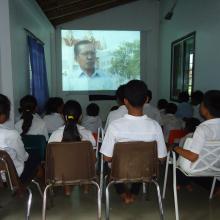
[182, 66]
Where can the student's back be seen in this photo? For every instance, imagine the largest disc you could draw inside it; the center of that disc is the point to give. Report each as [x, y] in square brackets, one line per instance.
[53, 118]
[30, 123]
[92, 120]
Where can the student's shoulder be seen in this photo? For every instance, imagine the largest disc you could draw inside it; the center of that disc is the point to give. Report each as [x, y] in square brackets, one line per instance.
[12, 132]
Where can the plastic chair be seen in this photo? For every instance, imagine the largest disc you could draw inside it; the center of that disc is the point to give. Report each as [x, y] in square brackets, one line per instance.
[207, 165]
[69, 163]
[173, 137]
[36, 143]
[8, 169]
[134, 162]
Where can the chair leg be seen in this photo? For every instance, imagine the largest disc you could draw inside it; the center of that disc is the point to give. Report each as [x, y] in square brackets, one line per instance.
[101, 176]
[213, 187]
[144, 188]
[38, 187]
[174, 187]
[45, 202]
[29, 202]
[159, 199]
[165, 176]
[98, 199]
[107, 200]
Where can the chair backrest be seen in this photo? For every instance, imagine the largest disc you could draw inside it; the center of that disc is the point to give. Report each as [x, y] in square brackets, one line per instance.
[69, 162]
[35, 143]
[208, 163]
[175, 135]
[7, 167]
[134, 161]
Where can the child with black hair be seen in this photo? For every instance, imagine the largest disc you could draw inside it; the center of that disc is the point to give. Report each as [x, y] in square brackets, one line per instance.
[151, 111]
[92, 120]
[10, 141]
[170, 121]
[53, 117]
[196, 99]
[30, 123]
[184, 109]
[134, 126]
[121, 111]
[72, 131]
[209, 130]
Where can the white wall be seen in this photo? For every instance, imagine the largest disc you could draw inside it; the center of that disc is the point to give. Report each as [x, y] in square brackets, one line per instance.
[203, 17]
[27, 14]
[6, 83]
[141, 15]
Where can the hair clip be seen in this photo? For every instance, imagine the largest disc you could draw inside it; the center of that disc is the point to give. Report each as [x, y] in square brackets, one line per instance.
[70, 117]
[27, 110]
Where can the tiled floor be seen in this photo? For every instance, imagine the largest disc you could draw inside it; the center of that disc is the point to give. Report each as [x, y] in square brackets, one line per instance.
[193, 206]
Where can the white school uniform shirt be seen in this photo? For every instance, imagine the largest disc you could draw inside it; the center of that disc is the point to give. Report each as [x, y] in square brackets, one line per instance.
[38, 127]
[116, 114]
[171, 122]
[92, 123]
[85, 134]
[207, 131]
[10, 141]
[196, 113]
[152, 112]
[53, 121]
[133, 128]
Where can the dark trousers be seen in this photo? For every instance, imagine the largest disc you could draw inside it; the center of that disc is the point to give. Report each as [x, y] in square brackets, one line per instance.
[30, 166]
[121, 188]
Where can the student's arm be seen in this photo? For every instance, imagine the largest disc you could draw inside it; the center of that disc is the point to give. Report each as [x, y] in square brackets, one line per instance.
[186, 154]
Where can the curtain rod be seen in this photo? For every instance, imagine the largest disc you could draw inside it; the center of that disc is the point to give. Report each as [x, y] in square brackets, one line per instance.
[36, 38]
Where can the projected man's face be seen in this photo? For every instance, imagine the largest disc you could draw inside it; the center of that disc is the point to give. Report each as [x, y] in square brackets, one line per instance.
[86, 58]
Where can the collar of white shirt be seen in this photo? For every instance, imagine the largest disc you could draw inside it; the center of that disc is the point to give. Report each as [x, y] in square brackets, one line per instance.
[132, 117]
[212, 121]
[83, 74]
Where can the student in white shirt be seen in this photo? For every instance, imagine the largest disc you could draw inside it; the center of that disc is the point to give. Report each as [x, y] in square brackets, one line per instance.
[161, 105]
[151, 111]
[208, 130]
[92, 120]
[170, 121]
[53, 117]
[121, 111]
[196, 99]
[29, 122]
[72, 131]
[134, 126]
[10, 141]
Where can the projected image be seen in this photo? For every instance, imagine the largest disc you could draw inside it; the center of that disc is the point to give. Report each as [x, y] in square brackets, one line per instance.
[99, 60]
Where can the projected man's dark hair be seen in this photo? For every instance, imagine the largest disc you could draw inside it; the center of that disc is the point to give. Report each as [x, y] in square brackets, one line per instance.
[78, 44]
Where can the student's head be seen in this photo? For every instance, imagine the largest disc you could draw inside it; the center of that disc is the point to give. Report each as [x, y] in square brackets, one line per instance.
[162, 104]
[72, 112]
[28, 106]
[149, 95]
[120, 94]
[4, 108]
[183, 97]
[171, 108]
[135, 93]
[191, 124]
[210, 106]
[54, 105]
[196, 97]
[92, 109]
[85, 55]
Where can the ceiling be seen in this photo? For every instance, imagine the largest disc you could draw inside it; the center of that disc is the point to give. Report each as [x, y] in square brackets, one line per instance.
[62, 11]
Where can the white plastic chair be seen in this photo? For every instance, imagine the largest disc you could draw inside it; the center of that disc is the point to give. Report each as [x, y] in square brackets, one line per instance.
[207, 165]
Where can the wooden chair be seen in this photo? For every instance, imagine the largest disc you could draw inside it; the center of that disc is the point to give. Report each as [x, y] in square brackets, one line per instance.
[134, 162]
[70, 163]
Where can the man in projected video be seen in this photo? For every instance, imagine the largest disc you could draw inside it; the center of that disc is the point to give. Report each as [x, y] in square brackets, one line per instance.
[86, 75]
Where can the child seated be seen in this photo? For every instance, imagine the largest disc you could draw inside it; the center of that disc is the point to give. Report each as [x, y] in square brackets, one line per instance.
[30, 123]
[72, 131]
[10, 141]
[134, 126]
[208, 130]
[170, 121]
[53, 117]
[92, 120]
[161, 105]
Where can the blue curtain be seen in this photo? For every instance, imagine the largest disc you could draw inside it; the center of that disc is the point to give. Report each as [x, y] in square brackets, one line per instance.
[39, 85]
